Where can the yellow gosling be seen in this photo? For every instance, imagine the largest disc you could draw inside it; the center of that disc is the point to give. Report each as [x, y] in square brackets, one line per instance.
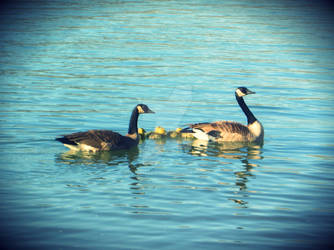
[178, 130]
[160, 130]
[141, 133]
[174, 134]
[187, 135]
[159, 133]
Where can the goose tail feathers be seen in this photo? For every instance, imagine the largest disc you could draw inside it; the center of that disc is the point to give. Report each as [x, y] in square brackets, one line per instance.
[65, 140]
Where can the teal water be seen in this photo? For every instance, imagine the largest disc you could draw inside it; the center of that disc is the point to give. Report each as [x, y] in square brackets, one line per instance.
[70, 66]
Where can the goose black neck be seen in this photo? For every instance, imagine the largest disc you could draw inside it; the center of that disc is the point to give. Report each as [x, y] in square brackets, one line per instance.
[250, 117]
[133, 127]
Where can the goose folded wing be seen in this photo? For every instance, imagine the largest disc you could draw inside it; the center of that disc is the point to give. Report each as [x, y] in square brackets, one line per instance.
[222, 127]
[93, 138]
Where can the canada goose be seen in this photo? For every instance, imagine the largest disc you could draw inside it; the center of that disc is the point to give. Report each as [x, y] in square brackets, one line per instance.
[223, 131]
[104, 140]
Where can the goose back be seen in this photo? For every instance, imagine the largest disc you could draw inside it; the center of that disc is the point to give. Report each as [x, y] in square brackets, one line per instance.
[225, 131]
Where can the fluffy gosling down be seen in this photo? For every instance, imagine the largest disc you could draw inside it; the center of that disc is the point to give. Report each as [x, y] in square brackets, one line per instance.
[159, 133]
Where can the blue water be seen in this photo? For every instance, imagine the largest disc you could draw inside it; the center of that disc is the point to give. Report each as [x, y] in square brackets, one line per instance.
[68, 66]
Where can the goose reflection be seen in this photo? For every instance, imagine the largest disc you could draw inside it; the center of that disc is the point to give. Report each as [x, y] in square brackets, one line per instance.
[228, 150]
[108, 158]
[242, 151]
[241, 180]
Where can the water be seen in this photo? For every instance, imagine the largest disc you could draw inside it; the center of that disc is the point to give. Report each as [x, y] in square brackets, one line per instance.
[74, 66]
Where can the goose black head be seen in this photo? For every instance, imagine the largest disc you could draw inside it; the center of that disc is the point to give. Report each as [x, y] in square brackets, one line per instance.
[142, 109]
[242, 91]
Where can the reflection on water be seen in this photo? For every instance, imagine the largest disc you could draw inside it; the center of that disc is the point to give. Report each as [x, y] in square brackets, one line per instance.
[242, 151]
[109, 158]
[228, 150]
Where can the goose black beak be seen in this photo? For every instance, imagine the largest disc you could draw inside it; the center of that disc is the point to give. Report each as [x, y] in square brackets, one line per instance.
[250, 92]
[149, 111]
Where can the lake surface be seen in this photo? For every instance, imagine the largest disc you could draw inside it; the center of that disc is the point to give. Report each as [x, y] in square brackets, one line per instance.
[69, 66]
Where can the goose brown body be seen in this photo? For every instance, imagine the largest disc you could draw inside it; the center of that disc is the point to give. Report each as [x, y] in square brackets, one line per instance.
[229, 131]
[221, 131]
[98, 140]
[106, 140]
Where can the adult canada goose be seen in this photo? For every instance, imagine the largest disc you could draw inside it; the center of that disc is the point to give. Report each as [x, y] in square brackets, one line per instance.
[104, 140]
[223, 131]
